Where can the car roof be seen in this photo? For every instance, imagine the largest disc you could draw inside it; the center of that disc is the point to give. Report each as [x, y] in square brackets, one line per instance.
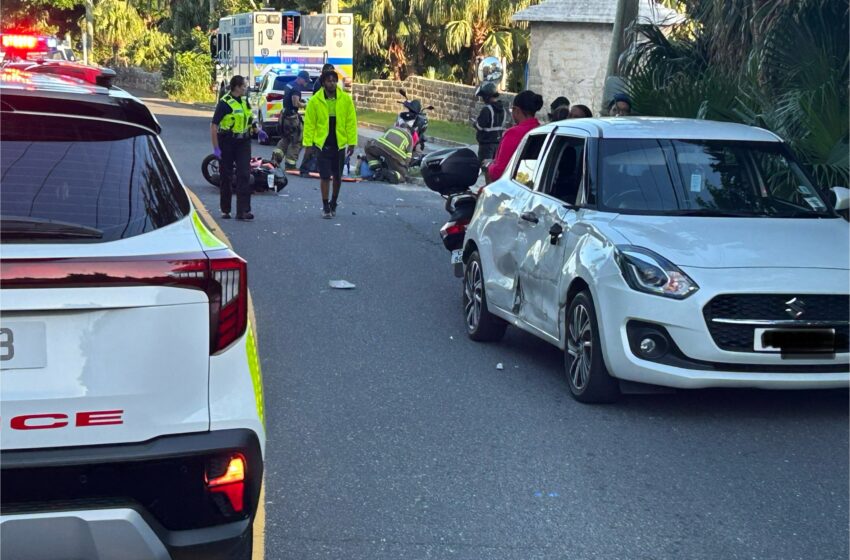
[668, 128]
[30, 92]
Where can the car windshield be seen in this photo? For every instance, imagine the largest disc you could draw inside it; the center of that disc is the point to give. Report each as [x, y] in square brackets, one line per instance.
[65, 178]
[706, 178]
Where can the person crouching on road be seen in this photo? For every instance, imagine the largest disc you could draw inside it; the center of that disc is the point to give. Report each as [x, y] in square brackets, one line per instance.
[330, 127]
[231, 140]
[290, 125]
[491, 122]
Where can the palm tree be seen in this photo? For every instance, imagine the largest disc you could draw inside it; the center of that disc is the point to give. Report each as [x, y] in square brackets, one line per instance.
[483, 26]
[385, 30]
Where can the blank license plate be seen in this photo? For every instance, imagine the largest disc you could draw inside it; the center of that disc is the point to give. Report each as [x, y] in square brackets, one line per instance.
[795, 341]
[23, 345]
[457, 256]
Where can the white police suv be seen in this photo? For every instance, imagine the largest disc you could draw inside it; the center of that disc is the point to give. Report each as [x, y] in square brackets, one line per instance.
[132, 399]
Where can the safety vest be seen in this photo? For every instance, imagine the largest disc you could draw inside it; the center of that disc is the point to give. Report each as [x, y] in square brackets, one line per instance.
[398, 141]
[239, 117]
[494, 116]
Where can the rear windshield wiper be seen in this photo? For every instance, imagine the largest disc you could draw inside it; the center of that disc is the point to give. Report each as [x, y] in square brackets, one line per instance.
[709, 212]
[25, 227]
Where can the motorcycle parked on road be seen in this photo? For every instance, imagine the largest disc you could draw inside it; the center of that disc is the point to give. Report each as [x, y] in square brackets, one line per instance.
[415, 120]
[453, 173]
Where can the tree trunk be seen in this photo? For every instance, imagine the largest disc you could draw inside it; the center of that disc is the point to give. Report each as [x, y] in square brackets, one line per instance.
[89, 4]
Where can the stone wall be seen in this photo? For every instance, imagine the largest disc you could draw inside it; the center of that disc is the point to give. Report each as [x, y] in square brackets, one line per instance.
[569, 59]
[135, 78]
[452, 102]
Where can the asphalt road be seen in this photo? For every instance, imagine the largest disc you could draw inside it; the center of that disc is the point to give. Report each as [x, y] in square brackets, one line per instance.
[391, 435]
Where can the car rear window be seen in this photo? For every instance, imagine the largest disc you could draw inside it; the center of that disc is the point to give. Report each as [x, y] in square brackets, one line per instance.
[104, 175]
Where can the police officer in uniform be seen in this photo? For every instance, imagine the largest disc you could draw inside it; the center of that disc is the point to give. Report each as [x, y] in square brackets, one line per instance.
[231, 140]
[490, 123]
[290, 125]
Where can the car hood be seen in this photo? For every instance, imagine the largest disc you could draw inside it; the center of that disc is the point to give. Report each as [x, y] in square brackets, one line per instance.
[707, 242]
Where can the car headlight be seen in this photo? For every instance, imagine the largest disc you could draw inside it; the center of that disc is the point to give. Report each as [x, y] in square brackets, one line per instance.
[648, 272]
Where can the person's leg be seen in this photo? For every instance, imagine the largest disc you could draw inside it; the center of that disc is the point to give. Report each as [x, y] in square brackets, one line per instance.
[337, 182]
[242, 155]
[292, 125]
[225, 170]
[325, 173]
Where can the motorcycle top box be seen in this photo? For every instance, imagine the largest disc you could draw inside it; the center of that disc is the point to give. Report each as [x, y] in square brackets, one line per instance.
[450, 171]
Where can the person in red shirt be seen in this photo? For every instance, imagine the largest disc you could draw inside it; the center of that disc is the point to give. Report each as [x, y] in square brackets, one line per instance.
[525, 106]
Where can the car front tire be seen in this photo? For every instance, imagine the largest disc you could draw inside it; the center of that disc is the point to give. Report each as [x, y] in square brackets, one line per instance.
[481, 325]
[585, 369]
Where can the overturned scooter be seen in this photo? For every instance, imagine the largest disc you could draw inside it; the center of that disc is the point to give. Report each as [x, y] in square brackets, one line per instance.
[266, 175]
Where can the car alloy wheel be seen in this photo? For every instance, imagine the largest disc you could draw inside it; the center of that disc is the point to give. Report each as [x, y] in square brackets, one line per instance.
[473, 289]
[580, 346]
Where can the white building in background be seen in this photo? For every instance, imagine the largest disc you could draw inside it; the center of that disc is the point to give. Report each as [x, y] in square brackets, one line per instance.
[570, 42]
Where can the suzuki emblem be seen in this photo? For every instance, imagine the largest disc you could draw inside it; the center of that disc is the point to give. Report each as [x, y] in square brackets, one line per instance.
[796, 307]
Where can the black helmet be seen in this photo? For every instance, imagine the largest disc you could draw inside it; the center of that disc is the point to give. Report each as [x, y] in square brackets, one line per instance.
[487, 89]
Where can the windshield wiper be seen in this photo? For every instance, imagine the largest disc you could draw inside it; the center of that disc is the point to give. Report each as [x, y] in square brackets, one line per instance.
[712, 213]
[25, 227]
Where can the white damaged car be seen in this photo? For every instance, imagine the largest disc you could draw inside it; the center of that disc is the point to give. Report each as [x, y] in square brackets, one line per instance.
[670, 252]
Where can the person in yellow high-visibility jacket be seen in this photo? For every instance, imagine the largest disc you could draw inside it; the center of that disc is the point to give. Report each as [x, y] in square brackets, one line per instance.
[330, 127]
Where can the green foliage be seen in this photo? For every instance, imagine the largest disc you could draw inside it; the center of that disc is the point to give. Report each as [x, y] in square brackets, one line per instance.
[118, 26]
[781, 65]
[190, 81]
[152, 51]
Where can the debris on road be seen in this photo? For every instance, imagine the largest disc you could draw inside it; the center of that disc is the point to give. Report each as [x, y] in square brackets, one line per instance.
[341, 285]
[500, 366]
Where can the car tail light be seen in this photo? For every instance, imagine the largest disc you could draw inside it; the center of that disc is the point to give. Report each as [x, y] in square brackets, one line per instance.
[454, 228]
[274, 97]
[226, 476]
[221, 274]
[27, 42]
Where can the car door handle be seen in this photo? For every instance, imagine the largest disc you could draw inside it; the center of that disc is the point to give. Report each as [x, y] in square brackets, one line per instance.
[529, 217]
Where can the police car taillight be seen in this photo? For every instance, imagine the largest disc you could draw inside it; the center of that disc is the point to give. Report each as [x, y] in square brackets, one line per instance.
[223, 275]
[228, 293]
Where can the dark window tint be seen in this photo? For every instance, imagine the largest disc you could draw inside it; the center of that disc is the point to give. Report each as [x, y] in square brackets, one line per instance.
[95, 174]
[564, 169]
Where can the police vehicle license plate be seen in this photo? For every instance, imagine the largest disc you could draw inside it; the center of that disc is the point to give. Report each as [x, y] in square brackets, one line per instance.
[457, 256]
[23, 345]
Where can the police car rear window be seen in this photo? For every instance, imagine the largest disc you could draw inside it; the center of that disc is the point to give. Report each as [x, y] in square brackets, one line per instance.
[101, 176]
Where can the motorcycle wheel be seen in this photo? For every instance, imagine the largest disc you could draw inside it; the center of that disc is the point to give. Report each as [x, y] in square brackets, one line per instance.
[210, 170]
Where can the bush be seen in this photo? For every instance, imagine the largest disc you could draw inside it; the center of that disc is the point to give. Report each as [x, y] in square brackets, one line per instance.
[152, 51]
[190, 79]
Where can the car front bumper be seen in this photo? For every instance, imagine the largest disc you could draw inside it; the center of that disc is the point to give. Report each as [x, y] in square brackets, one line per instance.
[700, 362]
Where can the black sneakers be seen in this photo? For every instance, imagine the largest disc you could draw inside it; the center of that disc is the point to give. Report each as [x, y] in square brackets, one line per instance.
[245, 216]
[332, 207]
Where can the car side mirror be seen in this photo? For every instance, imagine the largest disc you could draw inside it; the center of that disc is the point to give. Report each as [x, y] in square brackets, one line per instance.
[842, 198]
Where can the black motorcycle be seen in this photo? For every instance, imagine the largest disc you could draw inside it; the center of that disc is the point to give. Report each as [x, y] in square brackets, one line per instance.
[452, 173]
[266, 175]
[415, 120]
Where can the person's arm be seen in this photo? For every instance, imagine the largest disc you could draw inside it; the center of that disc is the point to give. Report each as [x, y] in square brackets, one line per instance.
[308, 138]
[220, 111]
[297, 102]
[351, 126]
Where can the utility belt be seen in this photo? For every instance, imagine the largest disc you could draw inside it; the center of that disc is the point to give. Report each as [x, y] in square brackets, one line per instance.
[236, 136]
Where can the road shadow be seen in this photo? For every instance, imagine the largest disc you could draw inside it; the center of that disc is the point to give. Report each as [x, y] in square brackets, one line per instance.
[733, 403]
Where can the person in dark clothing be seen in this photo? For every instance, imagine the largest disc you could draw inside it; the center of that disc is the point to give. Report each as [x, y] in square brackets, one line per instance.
[580, 112]
[317, 85]
[490, 124]
[290, 126]
[231, 141]
[620, 106]
[559, 103]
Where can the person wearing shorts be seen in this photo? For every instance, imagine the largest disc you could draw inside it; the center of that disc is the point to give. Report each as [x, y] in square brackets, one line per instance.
[330, 128]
